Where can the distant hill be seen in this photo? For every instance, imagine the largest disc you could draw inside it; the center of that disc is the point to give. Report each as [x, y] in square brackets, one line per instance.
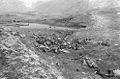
[60, 7]
[68, 7]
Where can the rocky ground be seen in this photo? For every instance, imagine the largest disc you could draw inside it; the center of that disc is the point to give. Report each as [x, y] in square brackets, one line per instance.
[91, 52]
[56, 54]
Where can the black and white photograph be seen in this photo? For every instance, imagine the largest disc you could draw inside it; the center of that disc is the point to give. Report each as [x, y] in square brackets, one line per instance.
[59, 39]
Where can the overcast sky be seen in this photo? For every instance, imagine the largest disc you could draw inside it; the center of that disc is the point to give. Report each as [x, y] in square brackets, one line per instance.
[18, 5]
[26, 5]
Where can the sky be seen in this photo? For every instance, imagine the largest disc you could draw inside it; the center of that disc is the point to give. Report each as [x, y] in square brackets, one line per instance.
[31, 3]
[99, 3]
[18, 5]
[53, 5]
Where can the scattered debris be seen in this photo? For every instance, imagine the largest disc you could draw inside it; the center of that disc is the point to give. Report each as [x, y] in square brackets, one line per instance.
[58, 42]
[116, 72]
[91, 63]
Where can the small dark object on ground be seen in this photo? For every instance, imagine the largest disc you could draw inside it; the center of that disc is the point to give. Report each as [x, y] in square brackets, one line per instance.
[109, 74]
[83, 26]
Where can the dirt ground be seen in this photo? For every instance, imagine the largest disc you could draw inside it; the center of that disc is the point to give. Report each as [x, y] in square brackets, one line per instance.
[55, 53]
